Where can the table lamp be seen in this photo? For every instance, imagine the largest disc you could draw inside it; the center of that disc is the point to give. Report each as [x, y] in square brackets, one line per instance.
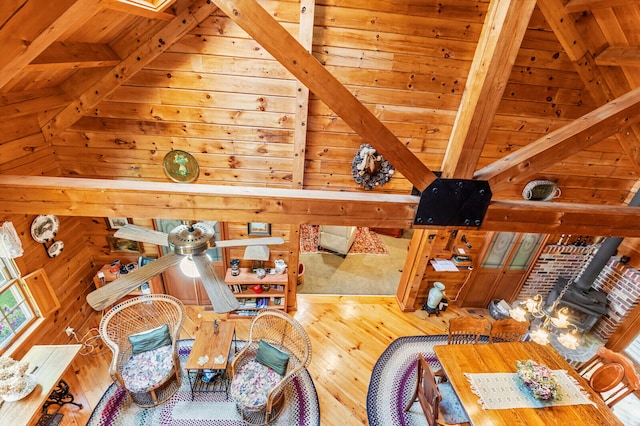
[258, 254]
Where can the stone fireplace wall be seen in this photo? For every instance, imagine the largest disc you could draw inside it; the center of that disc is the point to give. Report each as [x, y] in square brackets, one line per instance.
[619, 281]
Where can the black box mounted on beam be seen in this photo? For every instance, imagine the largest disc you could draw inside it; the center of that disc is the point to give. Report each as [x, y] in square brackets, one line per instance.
[453, 202]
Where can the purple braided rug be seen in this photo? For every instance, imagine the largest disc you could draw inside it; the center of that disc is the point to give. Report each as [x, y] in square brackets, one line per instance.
[207, 409]
[393, 381]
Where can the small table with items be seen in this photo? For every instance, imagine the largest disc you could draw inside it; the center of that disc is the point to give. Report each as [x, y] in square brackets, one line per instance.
[208, 361]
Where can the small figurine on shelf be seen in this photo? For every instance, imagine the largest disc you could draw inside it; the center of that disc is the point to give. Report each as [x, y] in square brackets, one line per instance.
[216, 329]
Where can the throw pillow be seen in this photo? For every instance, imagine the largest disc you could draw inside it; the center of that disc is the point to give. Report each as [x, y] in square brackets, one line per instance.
[272, 357]
[150, 339]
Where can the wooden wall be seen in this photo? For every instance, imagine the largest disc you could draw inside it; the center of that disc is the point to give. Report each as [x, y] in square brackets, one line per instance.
[69, 274]
[219, 95]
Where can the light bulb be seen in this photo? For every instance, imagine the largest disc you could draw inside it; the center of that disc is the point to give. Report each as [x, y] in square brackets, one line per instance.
[188, 268]
[540, 336]
[518, 314]
[568, 340]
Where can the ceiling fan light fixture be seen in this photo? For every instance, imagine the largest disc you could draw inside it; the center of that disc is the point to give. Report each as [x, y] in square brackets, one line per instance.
[192, 239]
[188, 268]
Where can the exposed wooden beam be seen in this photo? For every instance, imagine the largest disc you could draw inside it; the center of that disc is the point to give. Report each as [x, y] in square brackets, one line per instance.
[36, 25]
[144, 54]
[500, 40]
[147, 200]
[585, 5]
[588, 130]
[257, 22]
[118, 198]
[560, 218]
[621, 56]
[593, 76]
[305, 35]
[65, 55]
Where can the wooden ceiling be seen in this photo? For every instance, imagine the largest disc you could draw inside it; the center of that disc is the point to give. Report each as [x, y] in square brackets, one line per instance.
[275, 97]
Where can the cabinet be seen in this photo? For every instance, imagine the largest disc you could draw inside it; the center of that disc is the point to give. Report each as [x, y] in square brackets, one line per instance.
[155, 283]
[250, 300]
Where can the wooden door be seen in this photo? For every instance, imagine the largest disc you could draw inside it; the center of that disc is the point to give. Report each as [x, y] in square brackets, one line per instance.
[504, 266]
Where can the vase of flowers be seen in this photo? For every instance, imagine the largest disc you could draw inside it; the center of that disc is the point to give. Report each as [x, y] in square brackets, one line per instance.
[538, 378]
[15, 384]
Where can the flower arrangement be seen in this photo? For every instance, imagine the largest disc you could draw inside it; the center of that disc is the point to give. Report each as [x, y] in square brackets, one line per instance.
[538, 378]
[12, 375]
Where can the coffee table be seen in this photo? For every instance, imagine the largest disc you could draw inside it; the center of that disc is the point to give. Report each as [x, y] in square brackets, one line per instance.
[211, 376]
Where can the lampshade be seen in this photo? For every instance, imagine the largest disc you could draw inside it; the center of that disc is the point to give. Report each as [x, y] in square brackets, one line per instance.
[256, 253]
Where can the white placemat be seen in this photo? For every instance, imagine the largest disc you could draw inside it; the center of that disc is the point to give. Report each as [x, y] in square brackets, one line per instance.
[505, 390]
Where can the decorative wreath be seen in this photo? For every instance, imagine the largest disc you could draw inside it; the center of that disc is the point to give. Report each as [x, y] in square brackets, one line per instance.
[370, 169]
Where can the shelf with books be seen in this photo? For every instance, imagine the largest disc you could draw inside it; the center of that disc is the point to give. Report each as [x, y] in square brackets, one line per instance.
[255, 293]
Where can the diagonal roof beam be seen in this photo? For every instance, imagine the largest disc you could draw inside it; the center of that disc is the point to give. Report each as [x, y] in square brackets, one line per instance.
[134, 62]
[257, 22]
[588, 130]
[36, 25]
[502, 34]
[593, 76]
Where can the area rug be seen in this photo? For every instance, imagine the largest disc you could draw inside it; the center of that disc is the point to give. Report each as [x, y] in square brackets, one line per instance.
[366, 241]
[207, 409]
[393, 380]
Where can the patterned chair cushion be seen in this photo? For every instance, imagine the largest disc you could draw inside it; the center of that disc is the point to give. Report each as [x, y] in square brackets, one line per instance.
[147, 369]
[450, 407]
[252, 384]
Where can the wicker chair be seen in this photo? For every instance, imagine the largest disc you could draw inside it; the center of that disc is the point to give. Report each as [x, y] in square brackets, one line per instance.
[259, 391]
[508, 330]
[151, 376]
[467, 330]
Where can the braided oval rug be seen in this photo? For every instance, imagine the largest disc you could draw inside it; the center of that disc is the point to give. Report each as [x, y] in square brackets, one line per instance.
[207, 409]
[393, 381]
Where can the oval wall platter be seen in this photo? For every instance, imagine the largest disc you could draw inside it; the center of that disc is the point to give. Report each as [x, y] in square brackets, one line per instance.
[44, 228]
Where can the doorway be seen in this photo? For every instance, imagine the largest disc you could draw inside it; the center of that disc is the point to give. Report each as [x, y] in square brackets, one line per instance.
[356, 273]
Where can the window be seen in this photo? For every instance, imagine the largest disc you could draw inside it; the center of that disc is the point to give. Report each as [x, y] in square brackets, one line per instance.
[15, 312]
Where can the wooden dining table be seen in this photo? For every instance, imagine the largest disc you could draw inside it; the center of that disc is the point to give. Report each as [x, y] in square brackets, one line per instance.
[456, 360]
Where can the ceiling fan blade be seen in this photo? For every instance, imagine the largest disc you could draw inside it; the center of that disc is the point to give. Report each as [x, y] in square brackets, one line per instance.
[219, 293]
[142, 234]
[109, 294]
[250, 242]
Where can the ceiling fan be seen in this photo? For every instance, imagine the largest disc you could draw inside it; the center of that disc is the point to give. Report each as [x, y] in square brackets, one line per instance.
[190, 239]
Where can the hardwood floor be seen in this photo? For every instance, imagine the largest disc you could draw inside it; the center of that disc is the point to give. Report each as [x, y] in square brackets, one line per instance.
[348, 334]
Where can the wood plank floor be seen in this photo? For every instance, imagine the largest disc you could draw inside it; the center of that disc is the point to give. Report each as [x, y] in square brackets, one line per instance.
[348, 334]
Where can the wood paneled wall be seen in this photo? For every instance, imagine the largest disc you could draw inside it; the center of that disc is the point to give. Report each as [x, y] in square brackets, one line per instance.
[218, 94]
[69, 274]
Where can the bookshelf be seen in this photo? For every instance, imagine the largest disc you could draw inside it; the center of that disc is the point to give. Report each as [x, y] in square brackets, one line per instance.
[253, 298]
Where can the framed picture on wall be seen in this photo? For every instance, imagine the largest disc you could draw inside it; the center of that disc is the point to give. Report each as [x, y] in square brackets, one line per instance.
[123, 245]
[117, 222]
[259, 228]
